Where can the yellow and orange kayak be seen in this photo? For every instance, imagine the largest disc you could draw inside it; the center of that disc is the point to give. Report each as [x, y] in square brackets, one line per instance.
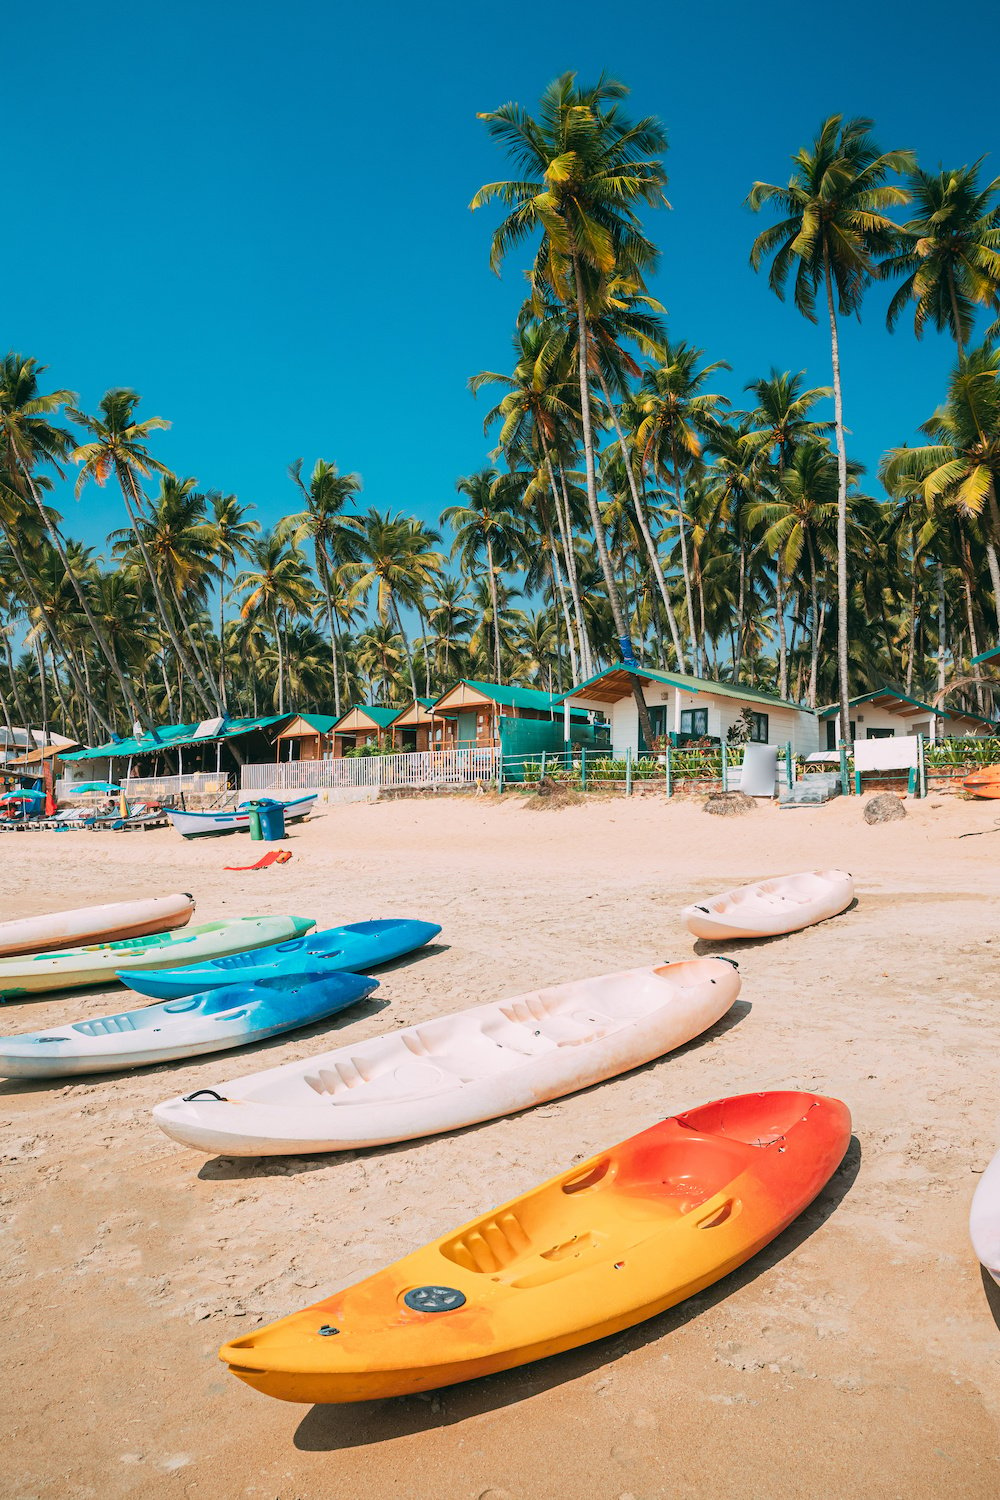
[613, 1241]
[984, 782]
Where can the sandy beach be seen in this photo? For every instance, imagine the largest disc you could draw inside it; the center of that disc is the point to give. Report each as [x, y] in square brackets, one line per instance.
[858, 1356]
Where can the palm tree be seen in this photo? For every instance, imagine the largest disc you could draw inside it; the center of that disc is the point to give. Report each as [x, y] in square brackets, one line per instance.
[590, 168]
[485, 527]
[276, 585]
[537, 415]
[950, 255]
[333, 534]
[397, 562]
[833, 233]
[450, 616]
[676, 416]
[178, 539]
[230, 531]
[780, 421]
[28, 437]
[800, 520]
[118, 447]
[961, 466]
[380, 652]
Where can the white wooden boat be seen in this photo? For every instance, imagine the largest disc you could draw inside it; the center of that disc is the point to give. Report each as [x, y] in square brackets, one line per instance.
[233, 820]
[984, 1219]
[784, 904]
[95, 924]
[460, 1069]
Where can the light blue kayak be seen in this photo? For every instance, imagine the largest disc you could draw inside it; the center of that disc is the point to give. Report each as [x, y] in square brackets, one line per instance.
[182, 1028]
[359, 946]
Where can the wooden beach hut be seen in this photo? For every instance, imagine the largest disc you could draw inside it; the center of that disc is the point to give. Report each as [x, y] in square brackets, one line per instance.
[363, 724]
[420, 726]
[307, 737]
[474, 709]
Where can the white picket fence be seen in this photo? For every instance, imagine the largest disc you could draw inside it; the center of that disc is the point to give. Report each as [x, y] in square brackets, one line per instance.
[413, 768]
[194, 784]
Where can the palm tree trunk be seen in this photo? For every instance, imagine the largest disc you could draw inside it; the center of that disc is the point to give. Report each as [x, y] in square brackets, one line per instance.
[281, 661]
[942, 628]
[779, 606]
[54, 535]
[685, 566]
[838, 416]
[992, 530]
[406, 645]
[130, 494]
[222, 636]
[323, 569]
[494, 605]
[912, 634]
[741, 608]
[814, 633]
[560, 592]
[566, 537]
[43, 690]
[647, 535]
[614, 599]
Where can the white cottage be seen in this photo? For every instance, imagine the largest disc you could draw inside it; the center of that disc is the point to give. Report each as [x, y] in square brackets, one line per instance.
[690, 706]
[888, 712]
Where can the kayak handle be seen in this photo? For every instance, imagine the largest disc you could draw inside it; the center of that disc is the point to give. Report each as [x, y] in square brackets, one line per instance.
[205, 1094]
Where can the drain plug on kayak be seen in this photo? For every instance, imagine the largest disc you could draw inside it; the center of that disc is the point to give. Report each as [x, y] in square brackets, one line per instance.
[433, 1299]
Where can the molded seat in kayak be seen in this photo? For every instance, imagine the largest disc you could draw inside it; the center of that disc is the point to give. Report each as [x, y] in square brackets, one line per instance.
[457, 1069]
[611, 1242]
[784, 904]
[182, 1028]
[358, 947]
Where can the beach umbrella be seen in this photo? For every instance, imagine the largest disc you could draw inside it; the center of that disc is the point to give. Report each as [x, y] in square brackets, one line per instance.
[23, 797]
[94, 786]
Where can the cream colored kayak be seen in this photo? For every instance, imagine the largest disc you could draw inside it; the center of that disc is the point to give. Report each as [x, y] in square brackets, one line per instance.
[95, 924]
[75, 967]
[784, 904]
[984, 1219]
[457, 1070]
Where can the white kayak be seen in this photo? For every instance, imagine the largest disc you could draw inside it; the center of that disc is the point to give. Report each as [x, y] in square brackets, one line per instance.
[460, 1069]
[784, 904]
[984, 1219]
[72, 968]
[194, 825]
[94, 924]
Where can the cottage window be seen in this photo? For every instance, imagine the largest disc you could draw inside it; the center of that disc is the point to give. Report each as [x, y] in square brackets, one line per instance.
[758, 729]
[694, 721]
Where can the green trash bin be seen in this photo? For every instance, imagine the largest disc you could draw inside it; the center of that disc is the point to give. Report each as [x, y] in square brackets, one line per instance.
[256, 828]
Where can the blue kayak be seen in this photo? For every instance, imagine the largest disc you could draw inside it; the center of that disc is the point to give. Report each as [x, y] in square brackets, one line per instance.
[211, 1022]
[357, 947]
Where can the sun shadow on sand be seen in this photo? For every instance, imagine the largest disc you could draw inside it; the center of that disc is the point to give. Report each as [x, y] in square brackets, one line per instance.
[992, 1295]
[224, 1168]
[716, 947]
[329, 1428]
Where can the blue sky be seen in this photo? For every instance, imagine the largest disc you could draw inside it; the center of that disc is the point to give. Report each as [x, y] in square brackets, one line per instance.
[257, 216]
